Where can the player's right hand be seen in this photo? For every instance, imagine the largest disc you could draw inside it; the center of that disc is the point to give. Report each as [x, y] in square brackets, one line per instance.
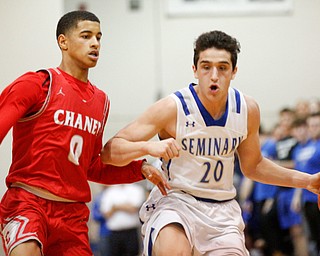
[165, 149]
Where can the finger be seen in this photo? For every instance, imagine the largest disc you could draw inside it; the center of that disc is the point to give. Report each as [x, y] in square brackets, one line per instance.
[170, 153]
[174, 149]
[177, 148]
[162, 189]
[167, 185]
[160, 183]
[164, 186]
[166, 157]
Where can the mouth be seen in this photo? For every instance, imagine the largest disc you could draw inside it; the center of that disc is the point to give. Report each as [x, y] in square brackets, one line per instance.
[214, 88]
[94, 54]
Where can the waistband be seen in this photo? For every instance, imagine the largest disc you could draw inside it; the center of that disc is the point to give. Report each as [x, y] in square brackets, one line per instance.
[41, 192]
[209, 200]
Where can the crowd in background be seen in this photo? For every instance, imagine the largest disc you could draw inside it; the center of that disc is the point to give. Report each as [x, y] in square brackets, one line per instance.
[279, 221]
[285, 221]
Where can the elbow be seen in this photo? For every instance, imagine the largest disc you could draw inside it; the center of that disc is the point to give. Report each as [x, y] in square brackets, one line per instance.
[248, 171]
[103, 156]
[253, 171]
[106, 156]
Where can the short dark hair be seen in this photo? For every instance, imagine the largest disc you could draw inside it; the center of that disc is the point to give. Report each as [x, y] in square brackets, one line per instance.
[219, 40]
[298, 122]
[70, 20]
[315, 114]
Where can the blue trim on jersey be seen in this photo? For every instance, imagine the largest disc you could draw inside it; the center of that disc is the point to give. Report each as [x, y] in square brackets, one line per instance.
[168, 168]
[150, 243]
[184, 105]
[208, 119]
[238, 100]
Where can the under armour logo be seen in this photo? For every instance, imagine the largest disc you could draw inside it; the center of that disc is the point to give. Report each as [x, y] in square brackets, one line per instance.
[193, 124]
[61, 92]
[153, 206]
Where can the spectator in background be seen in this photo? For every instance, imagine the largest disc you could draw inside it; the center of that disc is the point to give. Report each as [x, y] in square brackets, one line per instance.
[104, 232]
[286, 143]
[262, 225]
[293, 239]
[120, 205]
[309, 155]
[314, 105]
[302, 108]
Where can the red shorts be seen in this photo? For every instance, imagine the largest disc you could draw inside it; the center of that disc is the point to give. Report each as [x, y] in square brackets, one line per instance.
[60, 228]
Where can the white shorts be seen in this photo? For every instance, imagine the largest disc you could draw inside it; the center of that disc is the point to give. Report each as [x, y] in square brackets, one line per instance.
[211, 228]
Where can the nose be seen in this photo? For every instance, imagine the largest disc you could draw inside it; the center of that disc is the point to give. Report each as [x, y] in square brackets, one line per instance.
[95, 42]
[214, 74]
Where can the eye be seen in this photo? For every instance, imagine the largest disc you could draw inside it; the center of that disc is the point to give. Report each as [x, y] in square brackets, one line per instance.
[223, 68]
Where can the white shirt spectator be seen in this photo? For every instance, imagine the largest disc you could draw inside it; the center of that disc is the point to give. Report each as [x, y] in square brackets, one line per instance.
[120, 204]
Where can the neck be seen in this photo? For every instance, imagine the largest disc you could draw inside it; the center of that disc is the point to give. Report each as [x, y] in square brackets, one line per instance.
[80, 74]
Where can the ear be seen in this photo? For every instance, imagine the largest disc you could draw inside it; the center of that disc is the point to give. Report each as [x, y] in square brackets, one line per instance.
[195, 74]
[234, 72]
[62, 41]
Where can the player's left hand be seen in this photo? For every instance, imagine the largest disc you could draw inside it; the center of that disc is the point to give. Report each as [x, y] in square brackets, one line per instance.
[314, 185]
[153, 175]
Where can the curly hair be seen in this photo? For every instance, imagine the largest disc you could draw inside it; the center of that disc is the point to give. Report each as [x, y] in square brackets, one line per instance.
[219, 40]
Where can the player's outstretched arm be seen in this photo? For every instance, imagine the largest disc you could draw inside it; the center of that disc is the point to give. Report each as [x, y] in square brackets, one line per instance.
[261, 169]
[134, 141]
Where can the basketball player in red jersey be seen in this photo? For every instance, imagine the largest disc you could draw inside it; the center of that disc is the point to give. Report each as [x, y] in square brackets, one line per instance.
[58, 118]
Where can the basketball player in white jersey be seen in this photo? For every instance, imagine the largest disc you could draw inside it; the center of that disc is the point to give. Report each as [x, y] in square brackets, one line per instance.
[201, 128]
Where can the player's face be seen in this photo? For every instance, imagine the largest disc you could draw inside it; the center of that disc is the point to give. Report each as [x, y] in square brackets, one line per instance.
[214, 73]
[300, 133]
[83, 44]
[314, 126]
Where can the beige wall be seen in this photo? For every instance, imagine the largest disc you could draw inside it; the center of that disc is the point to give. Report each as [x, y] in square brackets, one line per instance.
[27, 43]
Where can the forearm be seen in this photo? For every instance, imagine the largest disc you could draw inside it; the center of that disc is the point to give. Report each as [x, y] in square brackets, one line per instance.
[119, 152]
[270, 173]
[109, 174]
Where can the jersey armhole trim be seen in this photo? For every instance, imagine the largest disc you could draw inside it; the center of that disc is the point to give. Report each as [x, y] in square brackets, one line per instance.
[45, 104]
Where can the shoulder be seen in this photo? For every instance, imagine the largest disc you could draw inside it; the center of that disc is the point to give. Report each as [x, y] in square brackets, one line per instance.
[28, 83]
[251, 103]
[32, 77]
[253, 107]
[168, 104]
[253, 113]
[165, 110]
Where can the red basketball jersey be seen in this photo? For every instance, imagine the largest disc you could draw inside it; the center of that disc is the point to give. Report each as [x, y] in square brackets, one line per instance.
[53, 149]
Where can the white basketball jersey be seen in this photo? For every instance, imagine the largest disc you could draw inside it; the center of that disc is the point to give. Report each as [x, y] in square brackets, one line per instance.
[205, 166]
